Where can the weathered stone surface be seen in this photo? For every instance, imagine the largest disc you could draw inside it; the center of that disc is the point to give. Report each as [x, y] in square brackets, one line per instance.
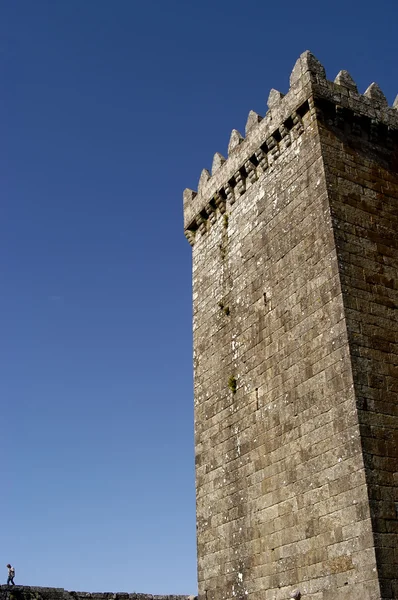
[189, 206]
[344, 79]
[363, 196]
[274, 98]
[18, 592]
[374, 93]
[234, 140]
[218, 161]
[296, 353]
[189, 195]
[252, 120]
[307, 63]
[204, 178]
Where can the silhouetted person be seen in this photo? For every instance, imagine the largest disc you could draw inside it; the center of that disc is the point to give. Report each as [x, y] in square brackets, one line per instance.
[11, 575]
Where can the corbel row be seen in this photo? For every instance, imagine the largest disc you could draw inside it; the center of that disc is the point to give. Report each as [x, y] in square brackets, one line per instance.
[248, 174]
[358, 125]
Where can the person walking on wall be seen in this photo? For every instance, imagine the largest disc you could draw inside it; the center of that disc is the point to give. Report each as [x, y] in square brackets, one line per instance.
[11, 575]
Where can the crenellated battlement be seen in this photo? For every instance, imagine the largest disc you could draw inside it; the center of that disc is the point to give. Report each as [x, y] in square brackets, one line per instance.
[310, 94]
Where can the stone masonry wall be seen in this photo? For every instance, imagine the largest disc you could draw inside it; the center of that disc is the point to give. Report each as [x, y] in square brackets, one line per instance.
[282, 477]
[43, 593]
[362, 175]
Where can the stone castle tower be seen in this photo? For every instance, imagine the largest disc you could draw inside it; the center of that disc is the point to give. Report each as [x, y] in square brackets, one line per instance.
[295, 293]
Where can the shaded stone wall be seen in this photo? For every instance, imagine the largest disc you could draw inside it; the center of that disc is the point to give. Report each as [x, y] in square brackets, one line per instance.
[362, 174]
[282, 475]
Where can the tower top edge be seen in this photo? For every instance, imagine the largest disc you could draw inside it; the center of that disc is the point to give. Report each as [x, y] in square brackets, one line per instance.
[308, 79]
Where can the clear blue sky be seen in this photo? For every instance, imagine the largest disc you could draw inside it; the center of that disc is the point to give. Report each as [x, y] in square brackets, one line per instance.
[110, 109]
